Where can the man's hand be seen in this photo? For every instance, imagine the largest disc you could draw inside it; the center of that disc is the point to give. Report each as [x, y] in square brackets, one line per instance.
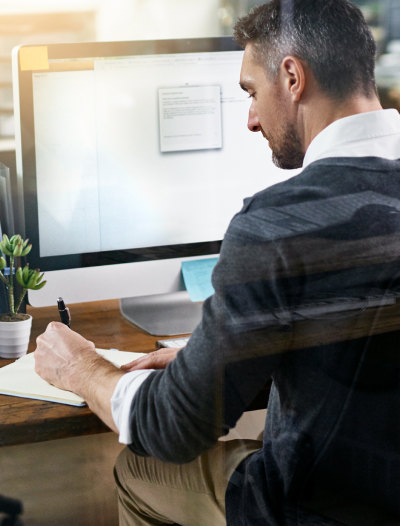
[61, 354]
[154, 360]
[65, 359]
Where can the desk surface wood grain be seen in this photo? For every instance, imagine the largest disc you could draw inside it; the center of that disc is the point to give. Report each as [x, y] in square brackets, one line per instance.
[24, 421]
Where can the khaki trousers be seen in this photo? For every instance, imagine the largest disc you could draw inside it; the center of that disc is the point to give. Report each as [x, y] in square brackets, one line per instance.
[151, 492]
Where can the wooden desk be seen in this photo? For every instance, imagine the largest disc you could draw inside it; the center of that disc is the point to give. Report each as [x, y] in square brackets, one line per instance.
[23, 421]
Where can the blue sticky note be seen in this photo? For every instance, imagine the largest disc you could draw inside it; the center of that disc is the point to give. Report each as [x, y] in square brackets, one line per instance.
[197, 277]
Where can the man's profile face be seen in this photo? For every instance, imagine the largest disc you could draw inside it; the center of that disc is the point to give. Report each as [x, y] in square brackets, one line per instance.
[269, 113]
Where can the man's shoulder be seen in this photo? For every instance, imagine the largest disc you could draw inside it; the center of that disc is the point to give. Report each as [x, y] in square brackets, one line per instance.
[318, 179]
[298, 205]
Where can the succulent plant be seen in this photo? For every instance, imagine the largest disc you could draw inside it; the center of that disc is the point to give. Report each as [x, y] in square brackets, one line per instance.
[15, 246]
[27, 278]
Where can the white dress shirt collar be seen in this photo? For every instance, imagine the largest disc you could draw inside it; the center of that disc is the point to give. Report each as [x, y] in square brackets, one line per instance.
[372, 134]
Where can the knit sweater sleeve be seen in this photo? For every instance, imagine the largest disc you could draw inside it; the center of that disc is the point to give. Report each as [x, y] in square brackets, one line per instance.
[180, 412]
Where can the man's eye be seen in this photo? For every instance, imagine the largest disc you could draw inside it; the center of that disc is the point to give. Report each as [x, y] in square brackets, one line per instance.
[251, 96]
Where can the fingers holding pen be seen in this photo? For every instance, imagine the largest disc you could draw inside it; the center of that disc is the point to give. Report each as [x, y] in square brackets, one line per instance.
[60, 352]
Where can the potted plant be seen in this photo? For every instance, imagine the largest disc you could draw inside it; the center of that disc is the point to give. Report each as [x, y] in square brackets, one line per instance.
[15, 327]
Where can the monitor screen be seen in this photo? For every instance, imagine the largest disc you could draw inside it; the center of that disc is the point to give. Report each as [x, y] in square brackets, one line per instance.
[134, 151]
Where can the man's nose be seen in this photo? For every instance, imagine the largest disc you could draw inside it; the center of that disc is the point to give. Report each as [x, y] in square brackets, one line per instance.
[253, 123]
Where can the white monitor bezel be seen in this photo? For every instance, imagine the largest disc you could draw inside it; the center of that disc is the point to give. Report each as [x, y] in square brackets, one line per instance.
[77, 283]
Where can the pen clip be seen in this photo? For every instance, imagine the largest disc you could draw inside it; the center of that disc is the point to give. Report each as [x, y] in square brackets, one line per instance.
[69, 313]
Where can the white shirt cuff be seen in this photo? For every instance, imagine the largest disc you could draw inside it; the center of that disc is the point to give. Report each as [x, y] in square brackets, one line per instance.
[121, 401]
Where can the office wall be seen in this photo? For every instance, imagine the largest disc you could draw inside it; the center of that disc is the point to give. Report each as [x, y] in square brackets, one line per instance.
[151, 19]
[70, 20]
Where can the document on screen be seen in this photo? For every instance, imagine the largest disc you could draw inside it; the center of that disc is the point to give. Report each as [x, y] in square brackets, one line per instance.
[190, 118]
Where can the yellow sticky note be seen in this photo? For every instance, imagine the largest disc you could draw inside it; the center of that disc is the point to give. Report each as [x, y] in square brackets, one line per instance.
[34, 58]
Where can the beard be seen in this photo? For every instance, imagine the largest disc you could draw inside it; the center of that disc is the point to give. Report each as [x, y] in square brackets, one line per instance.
[287, 150]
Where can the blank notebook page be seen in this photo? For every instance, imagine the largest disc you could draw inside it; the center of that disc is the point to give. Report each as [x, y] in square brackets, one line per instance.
[19, 379]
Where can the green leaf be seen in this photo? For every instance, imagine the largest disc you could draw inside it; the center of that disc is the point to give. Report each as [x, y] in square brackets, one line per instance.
[19, 277]
[25, 273]
[33, 278]
[40, 285]
[26, 250]
[4, 249]
[2, 263]
[14, 242]
[17, 250]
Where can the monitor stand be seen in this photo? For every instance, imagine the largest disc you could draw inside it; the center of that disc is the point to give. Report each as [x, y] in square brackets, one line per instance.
[163, 314]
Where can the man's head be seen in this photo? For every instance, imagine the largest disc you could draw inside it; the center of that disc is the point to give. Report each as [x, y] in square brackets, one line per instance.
[294, 48]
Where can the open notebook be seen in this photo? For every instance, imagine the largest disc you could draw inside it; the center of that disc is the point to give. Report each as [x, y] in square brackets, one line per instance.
[20, 379]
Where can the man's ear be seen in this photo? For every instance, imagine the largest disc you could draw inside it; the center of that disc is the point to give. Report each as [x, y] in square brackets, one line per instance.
[293, 77]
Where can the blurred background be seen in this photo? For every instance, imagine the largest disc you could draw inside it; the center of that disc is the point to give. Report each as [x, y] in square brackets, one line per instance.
[70, 481]
[53, 21]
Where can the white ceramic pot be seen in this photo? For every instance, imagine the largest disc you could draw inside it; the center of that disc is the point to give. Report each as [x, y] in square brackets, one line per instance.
[14, 338]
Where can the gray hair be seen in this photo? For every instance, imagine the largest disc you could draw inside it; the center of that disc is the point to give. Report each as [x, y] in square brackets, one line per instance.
[331, 36]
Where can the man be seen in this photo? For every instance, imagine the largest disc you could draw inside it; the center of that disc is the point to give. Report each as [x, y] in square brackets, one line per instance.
[332, 429]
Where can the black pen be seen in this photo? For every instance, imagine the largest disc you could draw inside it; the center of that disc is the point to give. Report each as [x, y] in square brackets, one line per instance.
[64, 312]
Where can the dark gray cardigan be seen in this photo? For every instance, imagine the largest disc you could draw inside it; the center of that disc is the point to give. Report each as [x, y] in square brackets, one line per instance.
[333, 417]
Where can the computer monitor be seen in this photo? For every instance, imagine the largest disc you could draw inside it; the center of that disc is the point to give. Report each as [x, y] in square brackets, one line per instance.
[131, 158]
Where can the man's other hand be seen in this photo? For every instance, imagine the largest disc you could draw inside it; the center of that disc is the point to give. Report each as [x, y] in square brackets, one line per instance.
[154, 360]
